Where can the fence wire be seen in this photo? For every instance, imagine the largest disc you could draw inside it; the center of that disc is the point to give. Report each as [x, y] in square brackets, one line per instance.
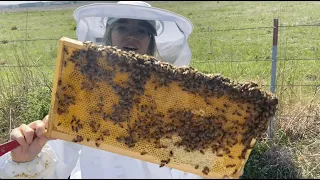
[4, 41]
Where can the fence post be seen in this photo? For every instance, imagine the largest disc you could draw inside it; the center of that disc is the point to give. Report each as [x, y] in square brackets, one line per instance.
[273, 70]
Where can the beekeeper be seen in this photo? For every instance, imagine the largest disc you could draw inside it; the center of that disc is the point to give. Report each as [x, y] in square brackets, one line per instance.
[129, 25]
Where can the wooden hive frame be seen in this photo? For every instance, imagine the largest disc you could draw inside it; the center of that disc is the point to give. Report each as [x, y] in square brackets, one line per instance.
[247, 111]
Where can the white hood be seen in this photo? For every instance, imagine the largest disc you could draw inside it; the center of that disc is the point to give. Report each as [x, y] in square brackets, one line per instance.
[173, 30]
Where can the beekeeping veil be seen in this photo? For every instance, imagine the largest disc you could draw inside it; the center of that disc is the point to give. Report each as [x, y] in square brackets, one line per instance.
[173, 30]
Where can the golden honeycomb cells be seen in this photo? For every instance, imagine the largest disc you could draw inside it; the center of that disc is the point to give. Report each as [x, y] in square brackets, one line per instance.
[137, 106]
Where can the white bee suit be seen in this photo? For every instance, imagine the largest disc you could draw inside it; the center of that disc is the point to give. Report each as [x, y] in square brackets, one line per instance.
[59, 159]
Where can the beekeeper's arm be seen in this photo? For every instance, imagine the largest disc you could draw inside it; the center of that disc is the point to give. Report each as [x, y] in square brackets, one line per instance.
[56, 160]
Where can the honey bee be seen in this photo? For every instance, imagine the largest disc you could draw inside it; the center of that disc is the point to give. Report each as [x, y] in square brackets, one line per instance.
[60, 111]
[121, 139]
[171, 153]
[226, 105]
[227, 151]
[235, 172]
[143, 153]
[65, 50]
[241, 157]
[168, 161]
[205, 170]
[163, 146]
[162, 164]
[131, 145]
[230, 165]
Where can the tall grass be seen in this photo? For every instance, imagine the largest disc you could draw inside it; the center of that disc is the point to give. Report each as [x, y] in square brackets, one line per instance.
[24, 94]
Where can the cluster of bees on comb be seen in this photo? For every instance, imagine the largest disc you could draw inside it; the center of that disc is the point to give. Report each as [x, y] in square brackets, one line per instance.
[217, 131]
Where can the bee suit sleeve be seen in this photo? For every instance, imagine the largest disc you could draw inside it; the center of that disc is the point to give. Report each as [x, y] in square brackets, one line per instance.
[56, 160]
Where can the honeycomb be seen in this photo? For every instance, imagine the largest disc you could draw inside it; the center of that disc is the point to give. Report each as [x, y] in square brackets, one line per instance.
[137, 106]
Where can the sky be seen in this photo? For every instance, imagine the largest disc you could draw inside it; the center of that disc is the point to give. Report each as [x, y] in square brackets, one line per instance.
[16, 2]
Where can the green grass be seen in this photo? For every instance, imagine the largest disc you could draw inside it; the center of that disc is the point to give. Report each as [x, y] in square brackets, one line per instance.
[221, 36]
[236, 45]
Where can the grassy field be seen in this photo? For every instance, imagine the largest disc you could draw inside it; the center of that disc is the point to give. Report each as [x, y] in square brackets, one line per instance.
[230, 38]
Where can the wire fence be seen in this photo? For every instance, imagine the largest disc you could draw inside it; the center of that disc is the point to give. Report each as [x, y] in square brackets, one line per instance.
[273, 59]
[5, 41]
[26, 40]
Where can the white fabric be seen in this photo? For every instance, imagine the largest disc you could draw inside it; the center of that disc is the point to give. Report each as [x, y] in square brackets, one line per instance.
[42, 167]
[82, 162]
[173, 30]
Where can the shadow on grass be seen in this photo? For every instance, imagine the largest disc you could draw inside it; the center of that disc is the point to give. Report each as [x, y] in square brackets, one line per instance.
[270, 163]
